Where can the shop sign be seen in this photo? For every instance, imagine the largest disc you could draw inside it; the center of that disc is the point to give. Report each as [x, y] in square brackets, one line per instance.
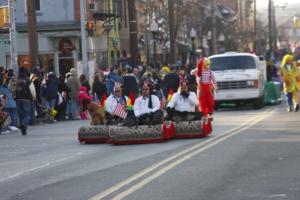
[66, 46]
[25, 61]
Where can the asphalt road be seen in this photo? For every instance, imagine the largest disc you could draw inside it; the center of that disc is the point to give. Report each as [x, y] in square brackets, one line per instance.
[252, 154]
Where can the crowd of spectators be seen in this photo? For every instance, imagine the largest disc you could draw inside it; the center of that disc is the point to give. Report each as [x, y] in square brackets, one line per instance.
[31, 98]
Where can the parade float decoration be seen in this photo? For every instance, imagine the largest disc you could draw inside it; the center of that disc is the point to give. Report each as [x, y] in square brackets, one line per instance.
[143, 134]
[93, 134]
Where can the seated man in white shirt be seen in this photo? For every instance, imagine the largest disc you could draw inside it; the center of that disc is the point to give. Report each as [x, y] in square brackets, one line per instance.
[116, 107]
[147, 107]
[183, 105]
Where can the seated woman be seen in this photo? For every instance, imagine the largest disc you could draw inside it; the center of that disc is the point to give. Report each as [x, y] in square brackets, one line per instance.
[116, 110]
[183, 105]
[147, 107]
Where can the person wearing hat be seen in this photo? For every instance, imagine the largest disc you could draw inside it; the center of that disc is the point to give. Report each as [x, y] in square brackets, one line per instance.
[25, 93]
[171, 81]
[183, 104]
[290, 76]
[147, 107]
[74, 86]
[116, 110]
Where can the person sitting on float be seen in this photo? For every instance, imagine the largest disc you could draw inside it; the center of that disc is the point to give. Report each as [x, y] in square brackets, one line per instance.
[116, 107]
[147, 107]
[183, 105]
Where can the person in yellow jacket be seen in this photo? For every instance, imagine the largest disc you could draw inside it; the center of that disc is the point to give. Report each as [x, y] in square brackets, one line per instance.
[291, 81]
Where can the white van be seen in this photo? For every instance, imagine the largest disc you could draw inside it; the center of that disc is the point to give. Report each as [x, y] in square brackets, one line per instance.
[240, 78]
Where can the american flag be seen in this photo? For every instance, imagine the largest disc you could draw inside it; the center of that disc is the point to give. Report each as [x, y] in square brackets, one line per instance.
[120, 111]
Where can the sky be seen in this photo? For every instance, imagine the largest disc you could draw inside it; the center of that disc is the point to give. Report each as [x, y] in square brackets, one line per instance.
[264, 3]
[282, 13]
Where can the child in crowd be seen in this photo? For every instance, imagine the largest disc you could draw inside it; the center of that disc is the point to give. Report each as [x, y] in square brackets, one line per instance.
[83, 94]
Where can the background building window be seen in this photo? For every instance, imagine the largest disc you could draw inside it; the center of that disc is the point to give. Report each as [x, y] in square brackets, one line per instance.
[37, 5]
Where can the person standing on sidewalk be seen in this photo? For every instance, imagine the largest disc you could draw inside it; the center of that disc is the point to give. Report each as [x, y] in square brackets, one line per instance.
[74, 85]
[25, 93]
[291, 82]
[10, 106]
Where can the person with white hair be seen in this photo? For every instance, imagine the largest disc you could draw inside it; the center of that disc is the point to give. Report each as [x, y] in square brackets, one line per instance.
[74, 86]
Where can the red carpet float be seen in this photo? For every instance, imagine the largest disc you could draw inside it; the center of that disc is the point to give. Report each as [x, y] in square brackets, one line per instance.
[120, 135]
[136, 135]
[188, 129]
[93, 134]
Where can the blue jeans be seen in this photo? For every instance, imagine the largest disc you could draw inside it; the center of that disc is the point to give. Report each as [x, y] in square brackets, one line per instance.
[289, 96]
[24, 112]
[73, 113]
[13, 116]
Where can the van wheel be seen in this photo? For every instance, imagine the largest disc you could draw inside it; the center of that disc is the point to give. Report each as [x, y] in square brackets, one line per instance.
[258, 103]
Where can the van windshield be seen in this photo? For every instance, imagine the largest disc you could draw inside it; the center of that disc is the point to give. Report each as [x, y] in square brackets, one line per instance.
[232, 63]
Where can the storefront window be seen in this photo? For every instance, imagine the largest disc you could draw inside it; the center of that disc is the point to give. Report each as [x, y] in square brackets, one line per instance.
[46, 61]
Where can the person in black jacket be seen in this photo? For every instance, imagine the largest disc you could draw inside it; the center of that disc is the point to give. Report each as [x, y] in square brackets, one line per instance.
[171, 81]
[24, 95]
[130, 84]
[99, 87]
[61, 107]
[50, 90]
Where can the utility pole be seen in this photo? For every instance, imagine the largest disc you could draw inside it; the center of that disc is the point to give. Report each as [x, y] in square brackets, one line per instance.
[270, 30]
[213, 27]
[274, 28]
[255, 27]
[84, 51]
[12, 35]
[133, 32]
[240, 25]
[172, 32]
[32, 33]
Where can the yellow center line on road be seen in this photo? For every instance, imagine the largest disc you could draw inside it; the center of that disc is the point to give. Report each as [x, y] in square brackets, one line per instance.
[190, 152]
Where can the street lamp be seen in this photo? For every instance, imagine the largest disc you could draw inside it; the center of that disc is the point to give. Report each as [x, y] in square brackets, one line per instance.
[193, 36]
[221, 41]
[154, 30]
[209, 39]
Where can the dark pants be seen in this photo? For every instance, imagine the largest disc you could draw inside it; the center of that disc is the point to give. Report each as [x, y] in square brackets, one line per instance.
[151, 118]
[24, 112]
[61, 111]
[183, 116]
[130, 120]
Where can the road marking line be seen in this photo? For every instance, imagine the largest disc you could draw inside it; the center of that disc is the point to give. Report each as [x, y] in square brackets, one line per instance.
[127, 181]
[181, 160]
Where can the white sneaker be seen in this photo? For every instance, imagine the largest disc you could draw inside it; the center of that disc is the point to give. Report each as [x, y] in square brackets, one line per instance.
[13, 128]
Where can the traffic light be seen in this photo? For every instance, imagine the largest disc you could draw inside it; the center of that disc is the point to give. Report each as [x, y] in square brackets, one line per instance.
[99, 28]
[90, 27]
